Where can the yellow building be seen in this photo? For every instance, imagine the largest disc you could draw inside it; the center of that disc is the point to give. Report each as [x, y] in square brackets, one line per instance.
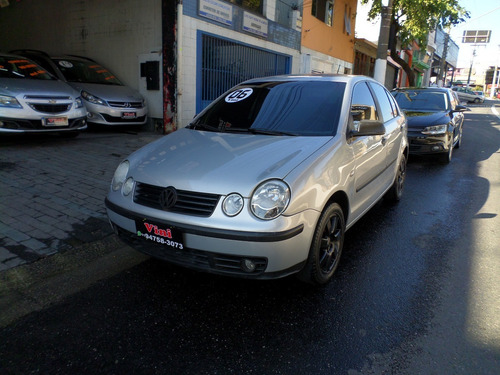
[328, 36]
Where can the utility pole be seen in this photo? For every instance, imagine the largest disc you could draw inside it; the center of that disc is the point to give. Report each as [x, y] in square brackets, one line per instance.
[442, 64]
[471, 63]
[383, 41]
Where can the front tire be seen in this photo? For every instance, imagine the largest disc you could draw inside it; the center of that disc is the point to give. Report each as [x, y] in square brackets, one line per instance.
[446, 158]
[326, 247]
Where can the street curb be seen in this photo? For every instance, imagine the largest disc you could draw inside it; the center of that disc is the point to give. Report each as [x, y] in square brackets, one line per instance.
[35, 286]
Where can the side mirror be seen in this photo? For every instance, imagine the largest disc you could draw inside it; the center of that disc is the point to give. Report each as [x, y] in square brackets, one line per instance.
[369, 127]
[460, 108]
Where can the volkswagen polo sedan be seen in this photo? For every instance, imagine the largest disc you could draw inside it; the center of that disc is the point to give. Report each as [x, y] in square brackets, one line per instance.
[266, 180]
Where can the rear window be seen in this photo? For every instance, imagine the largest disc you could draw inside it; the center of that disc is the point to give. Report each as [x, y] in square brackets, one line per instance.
[13, 67]
[419, 100]
[295, 108]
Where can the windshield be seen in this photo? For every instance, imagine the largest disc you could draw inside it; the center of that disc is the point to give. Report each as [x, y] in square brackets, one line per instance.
[12, 67]
[276, 108]
[85, 72]
[419, 100]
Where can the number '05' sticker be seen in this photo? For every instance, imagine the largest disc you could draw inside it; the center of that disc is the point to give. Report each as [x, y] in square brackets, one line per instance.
[238, 95]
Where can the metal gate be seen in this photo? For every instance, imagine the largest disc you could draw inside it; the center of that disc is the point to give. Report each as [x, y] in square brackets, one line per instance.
[225, 63]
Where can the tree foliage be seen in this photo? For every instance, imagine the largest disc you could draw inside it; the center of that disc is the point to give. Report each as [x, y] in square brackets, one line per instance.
[412, 20]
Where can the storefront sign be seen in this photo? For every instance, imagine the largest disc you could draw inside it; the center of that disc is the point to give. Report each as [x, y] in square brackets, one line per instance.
[217, 10]
[254, 24]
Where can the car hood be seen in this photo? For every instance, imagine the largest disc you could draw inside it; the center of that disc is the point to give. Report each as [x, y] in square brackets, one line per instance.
[109, 92]
[15, 87]
[422, 119]
[219, 163]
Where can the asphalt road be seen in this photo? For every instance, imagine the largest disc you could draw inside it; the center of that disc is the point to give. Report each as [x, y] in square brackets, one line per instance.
[417, 292]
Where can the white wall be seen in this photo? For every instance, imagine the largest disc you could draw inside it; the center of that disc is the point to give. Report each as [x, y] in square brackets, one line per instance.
[112, 32]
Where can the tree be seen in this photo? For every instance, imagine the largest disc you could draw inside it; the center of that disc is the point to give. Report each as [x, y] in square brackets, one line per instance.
[412, 20]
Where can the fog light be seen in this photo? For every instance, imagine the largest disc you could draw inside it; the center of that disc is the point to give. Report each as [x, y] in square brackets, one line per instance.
[436, 148]
[247, 265]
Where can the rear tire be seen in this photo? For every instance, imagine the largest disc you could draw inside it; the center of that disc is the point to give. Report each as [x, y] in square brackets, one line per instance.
[326, 247]
[396, 191]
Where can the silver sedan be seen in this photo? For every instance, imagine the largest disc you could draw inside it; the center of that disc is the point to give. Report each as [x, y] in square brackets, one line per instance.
[266, 180]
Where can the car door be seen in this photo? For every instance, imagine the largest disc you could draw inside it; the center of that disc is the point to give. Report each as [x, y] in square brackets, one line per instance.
[368, 151]
[393, 121]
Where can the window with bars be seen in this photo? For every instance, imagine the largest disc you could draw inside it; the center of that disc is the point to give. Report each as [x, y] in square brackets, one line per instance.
[225, 63]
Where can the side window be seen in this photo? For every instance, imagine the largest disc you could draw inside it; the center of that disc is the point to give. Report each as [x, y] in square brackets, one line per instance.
[395, 110]
[385, 105]
[362, 104]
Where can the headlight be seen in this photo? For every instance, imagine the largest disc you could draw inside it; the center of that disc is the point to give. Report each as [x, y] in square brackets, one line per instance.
[128, 186]
[120, 175]
[92, 99]
[233, 204]
[270, 199]
[432, 130]
[9, 101]
[78, 103]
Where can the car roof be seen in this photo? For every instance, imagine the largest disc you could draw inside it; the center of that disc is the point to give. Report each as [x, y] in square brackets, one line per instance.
[311, 78]
[435, 89]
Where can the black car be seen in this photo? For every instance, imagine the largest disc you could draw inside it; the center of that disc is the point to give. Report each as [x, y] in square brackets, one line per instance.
[435, 120]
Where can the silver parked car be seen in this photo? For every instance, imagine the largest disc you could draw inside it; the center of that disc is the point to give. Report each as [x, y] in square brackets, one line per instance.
[33, 101]
[265, 181]
[108, 100]
[467, 95]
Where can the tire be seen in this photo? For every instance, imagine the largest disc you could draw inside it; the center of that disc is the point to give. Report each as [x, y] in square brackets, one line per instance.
[446, 158]
[326, 247]
[459, 142]
[396, 191]
[477, 100]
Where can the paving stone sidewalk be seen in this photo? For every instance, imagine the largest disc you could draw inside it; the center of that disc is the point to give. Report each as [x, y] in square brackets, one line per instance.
[52, 191]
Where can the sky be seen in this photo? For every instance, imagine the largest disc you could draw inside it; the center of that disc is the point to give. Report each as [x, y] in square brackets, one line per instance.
[484, 15]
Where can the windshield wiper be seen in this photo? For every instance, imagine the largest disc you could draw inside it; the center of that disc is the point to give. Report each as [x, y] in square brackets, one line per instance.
[201, 125]
[270, 132]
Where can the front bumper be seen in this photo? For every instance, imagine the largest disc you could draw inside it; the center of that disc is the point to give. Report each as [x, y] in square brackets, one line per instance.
[421, 144]
[223, 251]
[104, 115]
[16, 125]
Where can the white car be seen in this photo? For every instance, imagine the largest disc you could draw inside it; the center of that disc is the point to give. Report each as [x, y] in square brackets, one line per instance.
[33, 101]
[265, 181]
[467, 95]
[107, 99]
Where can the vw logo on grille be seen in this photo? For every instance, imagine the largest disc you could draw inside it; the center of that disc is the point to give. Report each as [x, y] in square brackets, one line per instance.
[168, 198]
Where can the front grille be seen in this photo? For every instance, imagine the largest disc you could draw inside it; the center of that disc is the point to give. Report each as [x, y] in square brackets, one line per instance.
[188, 202]
[125, 104]
[45, 97]
[201, 260]
[50, 108]
[109, 118]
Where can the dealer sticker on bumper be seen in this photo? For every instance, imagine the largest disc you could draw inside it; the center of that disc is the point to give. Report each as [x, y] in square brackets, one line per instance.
[160, 234]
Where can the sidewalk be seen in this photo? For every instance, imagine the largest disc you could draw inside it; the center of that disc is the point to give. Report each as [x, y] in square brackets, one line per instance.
[52, 191]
